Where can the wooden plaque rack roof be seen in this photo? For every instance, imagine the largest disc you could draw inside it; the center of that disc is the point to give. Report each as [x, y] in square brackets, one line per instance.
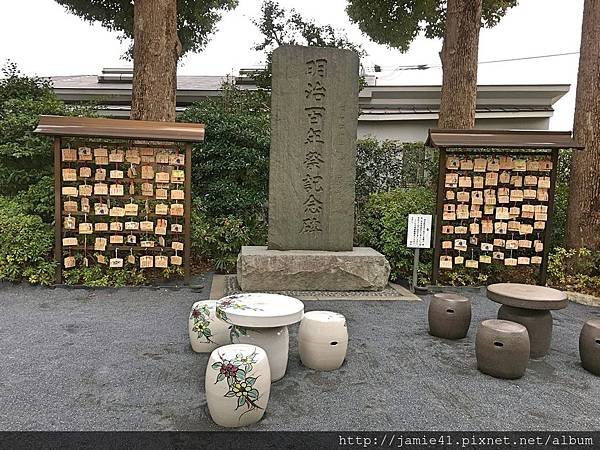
[523, 139]
[120, 128]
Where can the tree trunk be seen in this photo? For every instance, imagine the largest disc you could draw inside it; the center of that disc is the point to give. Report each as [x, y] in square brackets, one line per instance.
[155, 54]
[459, 64]
[583, 223]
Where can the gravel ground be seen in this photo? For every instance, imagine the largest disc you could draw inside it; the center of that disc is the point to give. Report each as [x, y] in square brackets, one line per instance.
[76, 359]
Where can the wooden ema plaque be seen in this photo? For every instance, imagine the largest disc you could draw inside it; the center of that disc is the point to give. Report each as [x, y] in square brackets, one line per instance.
[106, 185]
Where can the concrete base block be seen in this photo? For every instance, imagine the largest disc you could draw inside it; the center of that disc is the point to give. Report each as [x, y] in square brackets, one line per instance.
[263, 270]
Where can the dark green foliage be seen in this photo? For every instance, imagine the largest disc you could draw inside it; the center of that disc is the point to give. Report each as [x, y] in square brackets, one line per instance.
[38, 199]
[397, 23]
[25, 246]
[24, 156]
[231, 167]
[100, 275]
[282, 27]
[220, 239]
[230, 175]
[559, 219]
[382, 224]
[575, 270]
[385, 165]
[561, 199]
[196, 19]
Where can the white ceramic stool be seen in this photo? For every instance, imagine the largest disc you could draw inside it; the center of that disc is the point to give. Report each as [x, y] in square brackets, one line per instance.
[205, 329]
[237, 384]
[262, 320]
[323, 340]
[274, 341]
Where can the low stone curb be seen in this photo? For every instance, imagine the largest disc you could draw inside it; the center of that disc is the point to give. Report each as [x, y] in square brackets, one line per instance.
[583, 299]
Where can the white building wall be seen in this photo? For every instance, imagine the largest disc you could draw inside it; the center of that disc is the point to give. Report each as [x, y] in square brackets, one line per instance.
[416, 130]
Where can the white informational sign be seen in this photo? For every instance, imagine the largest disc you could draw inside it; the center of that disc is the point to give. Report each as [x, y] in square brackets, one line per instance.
[419, 231]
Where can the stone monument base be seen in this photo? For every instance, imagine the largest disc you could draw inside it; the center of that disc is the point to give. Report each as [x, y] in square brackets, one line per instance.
[263, 270]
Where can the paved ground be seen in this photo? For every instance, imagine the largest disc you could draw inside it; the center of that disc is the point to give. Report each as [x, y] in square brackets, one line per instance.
[120, 360]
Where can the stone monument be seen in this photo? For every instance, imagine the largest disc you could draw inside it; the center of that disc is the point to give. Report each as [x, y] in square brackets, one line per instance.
[314, 112]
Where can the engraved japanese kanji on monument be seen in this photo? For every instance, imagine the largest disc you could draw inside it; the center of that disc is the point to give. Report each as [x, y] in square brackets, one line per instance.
[313, 149]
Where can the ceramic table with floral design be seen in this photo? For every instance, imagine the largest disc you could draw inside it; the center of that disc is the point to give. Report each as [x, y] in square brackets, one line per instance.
[262, 320]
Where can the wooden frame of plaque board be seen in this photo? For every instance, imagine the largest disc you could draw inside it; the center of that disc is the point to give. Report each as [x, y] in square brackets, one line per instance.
[117, 134]
[518, 144]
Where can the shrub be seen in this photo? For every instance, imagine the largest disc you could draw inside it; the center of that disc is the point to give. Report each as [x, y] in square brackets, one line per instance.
[230, 173]
[382, 224]
[231, 167]
[38, 199]
[575, 269]
[561, 199]
[385, 165]
[97, 275]
[26, 244]
[487, 274]
[24, 156]
[220, 239]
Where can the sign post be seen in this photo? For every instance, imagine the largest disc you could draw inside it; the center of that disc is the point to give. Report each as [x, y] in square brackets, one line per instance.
[418, 237]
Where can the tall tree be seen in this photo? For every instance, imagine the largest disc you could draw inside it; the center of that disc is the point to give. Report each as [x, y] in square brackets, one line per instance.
[155, 53]
[583, 220]
[287, 27]
[459, 64]
[162, 31]
[397, 23]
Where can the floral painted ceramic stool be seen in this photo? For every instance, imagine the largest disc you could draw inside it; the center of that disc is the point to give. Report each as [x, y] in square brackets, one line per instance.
[238, 384]
[323, 340]
[205, 329]
[262, 320]
[589, 346]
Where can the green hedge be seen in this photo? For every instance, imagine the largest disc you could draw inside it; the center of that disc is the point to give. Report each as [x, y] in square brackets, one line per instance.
[230, 169]
[220, 239]
[385, 165]
[382, 224]
[24, 156]
[230, 175]
[575, 270]
[26, 244]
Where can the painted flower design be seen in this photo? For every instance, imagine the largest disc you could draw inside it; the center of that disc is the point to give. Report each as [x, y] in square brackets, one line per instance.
[201, 316]
[232, 303]
[228, 369]
[240, 383]
[244, 392]
[246, 361]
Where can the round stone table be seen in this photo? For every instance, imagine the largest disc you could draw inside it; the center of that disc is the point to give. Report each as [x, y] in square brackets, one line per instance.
[262, 320]
[530, 306]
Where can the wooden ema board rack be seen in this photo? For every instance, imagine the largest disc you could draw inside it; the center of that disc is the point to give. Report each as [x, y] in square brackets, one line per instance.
[122, 192]
[495, 199]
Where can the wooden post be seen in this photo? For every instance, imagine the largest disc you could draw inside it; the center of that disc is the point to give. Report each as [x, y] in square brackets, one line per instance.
[57, 210]
[437, 218]
[548, 231]
[188, 212]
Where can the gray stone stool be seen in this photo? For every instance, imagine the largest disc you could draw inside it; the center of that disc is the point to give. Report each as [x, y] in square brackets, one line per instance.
[589, 346]
[449, 315]
[502, 348]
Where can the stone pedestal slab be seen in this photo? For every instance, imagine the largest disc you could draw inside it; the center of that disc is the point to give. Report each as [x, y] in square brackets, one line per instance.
[263, 270]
